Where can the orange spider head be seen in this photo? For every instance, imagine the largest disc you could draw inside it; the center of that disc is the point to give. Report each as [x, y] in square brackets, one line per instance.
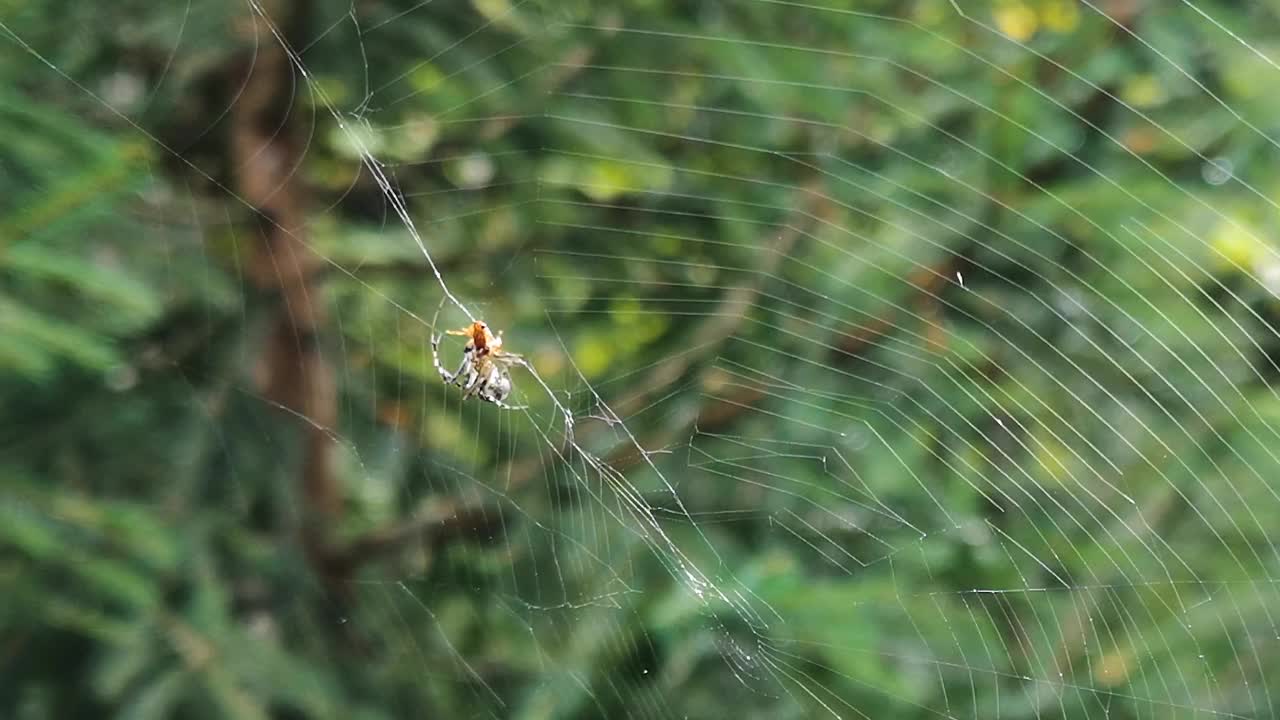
[480, 337]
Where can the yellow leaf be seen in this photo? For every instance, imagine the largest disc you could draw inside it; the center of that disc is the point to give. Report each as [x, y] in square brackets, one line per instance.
[606, 181]
[1061, 16]
[425, 77]
[1143, 90]
[593, 355]
[1236, 247]
[1017, 21]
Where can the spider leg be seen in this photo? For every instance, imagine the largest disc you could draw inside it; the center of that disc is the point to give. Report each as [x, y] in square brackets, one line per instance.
[473, 382]
[505, 406]
[447, 376]
[506, 361]
[435, 318]
[468, 366]
[435, 348]
[485, 373]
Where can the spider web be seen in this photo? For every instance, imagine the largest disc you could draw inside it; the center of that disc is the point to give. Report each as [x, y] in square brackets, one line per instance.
[972, 409]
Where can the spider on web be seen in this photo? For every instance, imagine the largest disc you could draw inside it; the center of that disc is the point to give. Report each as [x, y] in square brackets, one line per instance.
[485, 370]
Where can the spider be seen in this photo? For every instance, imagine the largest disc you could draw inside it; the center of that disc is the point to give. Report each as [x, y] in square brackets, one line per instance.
[485, 368]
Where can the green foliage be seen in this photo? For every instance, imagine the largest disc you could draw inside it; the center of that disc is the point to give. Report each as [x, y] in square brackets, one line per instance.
[954, 354]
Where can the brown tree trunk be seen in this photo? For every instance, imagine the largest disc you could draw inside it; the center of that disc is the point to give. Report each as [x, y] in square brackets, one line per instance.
[293, 372]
